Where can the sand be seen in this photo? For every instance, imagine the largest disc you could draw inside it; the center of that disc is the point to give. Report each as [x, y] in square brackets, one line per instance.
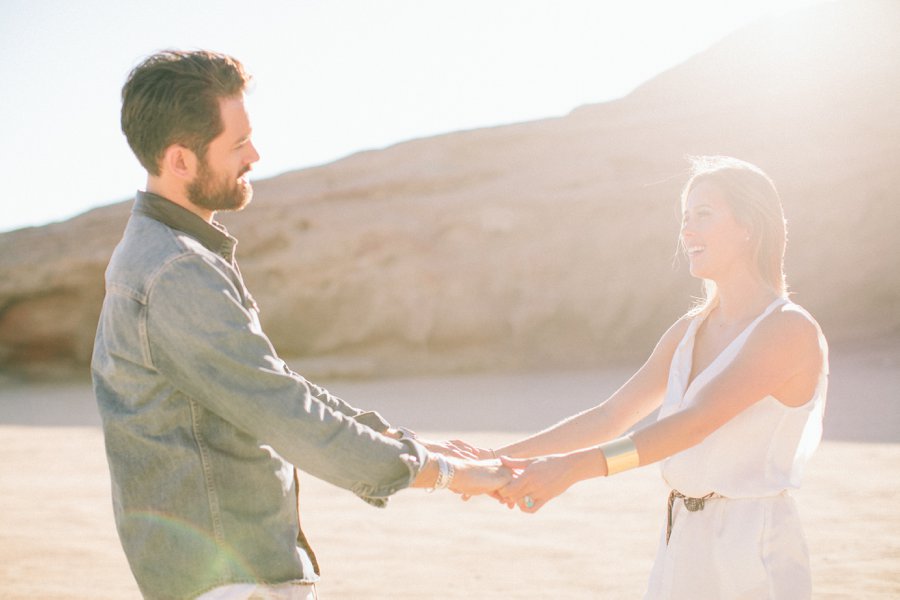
[58, 540]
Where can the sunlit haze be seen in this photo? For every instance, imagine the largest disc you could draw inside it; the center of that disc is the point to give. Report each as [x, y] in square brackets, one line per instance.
[331, 78]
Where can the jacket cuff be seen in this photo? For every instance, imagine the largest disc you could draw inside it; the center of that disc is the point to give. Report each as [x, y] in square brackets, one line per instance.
[373, 420]
[414, 460]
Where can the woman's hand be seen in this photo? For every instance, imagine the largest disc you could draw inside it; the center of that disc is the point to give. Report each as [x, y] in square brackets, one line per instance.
[472, 451]
[455, 448]
[458, 449]
[536, 481]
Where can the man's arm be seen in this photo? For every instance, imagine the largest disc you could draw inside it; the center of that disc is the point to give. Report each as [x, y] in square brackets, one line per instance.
[370, 418]
[212, 348]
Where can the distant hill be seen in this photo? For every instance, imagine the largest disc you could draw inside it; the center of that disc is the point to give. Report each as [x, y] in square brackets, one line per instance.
[547, 244]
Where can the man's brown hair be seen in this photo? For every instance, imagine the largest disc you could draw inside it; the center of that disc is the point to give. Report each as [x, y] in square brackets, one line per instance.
[172, 97]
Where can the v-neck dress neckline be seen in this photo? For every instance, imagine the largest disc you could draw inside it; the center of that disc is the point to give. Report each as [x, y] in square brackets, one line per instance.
[740, 338]
[722, 462]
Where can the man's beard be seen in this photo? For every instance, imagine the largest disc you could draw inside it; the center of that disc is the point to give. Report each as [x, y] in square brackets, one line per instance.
[222, 194]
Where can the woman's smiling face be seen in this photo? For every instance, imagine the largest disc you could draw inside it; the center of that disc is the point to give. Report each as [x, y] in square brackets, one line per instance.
[712, 238]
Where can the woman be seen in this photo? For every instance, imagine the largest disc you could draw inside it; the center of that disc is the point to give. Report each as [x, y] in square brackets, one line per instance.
[741, 382]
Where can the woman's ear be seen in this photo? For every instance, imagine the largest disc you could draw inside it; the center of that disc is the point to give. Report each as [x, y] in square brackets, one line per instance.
[748, 234]
[181, 162]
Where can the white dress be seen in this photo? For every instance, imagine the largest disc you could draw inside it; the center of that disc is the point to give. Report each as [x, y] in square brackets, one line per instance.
[749, 543]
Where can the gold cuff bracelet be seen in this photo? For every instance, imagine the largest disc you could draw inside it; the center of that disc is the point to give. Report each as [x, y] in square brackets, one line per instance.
[621, 455]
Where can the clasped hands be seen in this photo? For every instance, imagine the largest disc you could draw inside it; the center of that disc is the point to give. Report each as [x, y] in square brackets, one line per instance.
[528, 483]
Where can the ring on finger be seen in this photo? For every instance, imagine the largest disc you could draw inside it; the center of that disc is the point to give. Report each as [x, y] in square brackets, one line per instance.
[529, 501]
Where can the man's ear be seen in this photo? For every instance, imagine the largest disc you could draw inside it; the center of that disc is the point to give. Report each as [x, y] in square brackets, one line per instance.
[180, 161]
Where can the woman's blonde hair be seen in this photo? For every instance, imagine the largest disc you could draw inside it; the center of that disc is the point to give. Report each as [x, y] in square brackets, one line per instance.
[756, 205]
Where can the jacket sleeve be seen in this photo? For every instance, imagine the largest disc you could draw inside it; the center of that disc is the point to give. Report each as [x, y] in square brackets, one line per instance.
[370, 418]
[208, 342]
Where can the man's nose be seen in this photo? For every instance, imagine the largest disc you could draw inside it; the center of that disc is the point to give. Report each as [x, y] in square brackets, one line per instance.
[254, 155]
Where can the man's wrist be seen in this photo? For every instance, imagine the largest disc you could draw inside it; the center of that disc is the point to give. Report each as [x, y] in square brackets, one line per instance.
[445, 473]
[428, 473]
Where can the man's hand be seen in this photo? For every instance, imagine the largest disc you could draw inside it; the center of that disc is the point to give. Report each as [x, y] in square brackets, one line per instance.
[478, 477]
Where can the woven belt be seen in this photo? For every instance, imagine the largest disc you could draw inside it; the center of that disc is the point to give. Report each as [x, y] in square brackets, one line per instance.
[692, 504]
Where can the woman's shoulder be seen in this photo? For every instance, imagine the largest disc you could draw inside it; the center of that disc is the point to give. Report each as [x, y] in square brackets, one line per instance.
[676, 331]
[792, 320]
[791, 331]
[669, 341]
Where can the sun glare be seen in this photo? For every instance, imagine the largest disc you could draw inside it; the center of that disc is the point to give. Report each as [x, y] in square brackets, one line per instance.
[332, 81]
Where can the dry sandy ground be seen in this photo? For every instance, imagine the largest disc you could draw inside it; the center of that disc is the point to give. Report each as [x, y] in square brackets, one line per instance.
[57, 538]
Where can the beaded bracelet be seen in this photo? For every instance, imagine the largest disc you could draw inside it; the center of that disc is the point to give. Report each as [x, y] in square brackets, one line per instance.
[445, 473]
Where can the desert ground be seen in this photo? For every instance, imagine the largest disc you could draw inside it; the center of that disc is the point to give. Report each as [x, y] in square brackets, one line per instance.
[58, 540]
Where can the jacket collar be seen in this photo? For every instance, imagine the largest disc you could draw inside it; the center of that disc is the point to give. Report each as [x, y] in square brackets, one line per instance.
[213, 235]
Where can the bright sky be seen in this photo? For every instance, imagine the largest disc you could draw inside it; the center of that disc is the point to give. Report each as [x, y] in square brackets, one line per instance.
[332, 77]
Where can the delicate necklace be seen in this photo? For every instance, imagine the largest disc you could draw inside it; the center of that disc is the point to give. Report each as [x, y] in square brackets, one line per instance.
[722, 324]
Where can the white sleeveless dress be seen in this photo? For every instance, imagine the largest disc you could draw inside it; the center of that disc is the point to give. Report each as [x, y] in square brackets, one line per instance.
[749, 543]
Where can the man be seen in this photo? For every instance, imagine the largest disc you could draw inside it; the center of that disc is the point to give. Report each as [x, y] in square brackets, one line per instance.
[203, 422]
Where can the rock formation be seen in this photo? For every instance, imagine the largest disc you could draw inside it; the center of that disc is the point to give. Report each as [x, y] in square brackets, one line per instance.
[549, 244]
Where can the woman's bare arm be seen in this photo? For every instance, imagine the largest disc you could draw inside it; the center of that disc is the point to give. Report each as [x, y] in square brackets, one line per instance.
[636, 399]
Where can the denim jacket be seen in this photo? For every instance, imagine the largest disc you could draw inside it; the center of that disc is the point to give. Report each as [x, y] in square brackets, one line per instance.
[204, 424]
